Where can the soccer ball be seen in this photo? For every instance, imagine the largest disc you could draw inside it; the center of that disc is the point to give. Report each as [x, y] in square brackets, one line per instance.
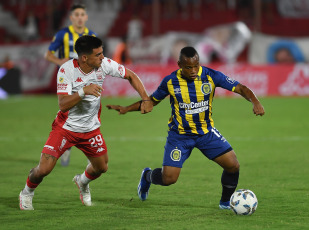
[243, 202]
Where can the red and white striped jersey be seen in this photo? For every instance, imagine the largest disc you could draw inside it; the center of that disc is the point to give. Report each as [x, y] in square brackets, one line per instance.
[85, 116]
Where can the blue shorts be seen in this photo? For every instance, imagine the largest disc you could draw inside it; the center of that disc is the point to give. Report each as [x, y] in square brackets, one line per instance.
[178, 147]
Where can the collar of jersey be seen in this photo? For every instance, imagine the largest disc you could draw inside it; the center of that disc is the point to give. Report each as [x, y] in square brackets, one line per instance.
[76, 65]
[86, 30]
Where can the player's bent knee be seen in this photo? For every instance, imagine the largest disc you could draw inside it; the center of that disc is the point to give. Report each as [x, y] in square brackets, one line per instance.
[102, 169]
[169, 180]
[233, 168]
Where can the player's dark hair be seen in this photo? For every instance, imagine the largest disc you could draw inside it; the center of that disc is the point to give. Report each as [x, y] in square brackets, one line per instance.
[85, 44]
[188, 52]
[77, 6]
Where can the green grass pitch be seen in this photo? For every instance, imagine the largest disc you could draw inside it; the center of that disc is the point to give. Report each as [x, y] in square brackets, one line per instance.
[272, 151]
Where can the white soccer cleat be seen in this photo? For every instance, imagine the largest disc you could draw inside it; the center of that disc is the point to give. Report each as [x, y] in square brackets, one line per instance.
[84, 191]
[25, 201]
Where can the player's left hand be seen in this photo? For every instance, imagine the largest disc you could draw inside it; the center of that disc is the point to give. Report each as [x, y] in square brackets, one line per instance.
[118, 108]
[258, 109]
[146, 106]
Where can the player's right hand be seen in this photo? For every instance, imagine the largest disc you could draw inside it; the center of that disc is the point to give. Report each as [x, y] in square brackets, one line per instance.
[93, 89]
[118, 108]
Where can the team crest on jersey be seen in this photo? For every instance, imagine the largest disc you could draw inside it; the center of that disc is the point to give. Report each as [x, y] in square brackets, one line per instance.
[61, 79]
[120, 69]
[176, 155]
[230, 80]
[206, 88]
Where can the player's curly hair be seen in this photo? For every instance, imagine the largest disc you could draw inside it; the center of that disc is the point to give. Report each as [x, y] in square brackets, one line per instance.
[85, 44]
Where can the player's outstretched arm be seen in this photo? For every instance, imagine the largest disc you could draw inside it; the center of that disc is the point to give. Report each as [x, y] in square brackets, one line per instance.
[146, 105]
[130, 108]
[247, 93]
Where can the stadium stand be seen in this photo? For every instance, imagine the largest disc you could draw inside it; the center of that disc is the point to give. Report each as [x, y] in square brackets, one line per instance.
[50, 15]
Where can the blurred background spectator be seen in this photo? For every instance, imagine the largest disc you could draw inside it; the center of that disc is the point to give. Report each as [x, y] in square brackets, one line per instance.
[223, 31]
[122, 53]
[284, 52]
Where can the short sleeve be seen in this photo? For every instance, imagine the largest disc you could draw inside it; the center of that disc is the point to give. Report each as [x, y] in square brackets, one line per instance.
[64, 82]
[225, 82]
[113, 68]
[56, 42]
[161, 92]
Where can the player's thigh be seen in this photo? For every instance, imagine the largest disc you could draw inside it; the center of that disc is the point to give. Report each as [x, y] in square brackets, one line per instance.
[213, 144]
[92, 144]
[177, 149]
[58, 142]
[228, 161]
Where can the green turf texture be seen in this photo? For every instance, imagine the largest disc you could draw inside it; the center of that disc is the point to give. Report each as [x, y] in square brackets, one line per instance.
[272, 151]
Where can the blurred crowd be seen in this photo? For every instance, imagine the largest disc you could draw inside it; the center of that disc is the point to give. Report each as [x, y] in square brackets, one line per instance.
[42, 18]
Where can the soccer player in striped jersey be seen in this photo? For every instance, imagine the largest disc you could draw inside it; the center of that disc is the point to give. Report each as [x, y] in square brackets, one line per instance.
[78, 121]
[191, 89]
[64, 42]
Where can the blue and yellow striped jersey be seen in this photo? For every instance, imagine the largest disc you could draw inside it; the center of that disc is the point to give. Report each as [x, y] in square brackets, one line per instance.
[191, 101]
[64, 41]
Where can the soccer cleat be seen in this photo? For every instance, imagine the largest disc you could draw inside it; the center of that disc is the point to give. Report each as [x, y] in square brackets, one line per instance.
[84, 191]
[143, 186]
[65, 158]
[25, 201]
[225, 205]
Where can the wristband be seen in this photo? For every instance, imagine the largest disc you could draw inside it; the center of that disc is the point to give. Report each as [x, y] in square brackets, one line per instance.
[81, 92]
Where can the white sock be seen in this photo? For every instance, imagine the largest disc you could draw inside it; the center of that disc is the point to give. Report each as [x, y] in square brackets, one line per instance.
[28, 190]
[85, 180]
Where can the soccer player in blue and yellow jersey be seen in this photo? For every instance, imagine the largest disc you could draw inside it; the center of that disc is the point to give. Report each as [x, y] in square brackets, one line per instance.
[64, 42]
[191, 89]
[65, 39]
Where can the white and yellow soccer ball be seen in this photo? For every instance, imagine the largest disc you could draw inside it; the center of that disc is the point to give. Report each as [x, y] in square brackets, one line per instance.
[243, 202]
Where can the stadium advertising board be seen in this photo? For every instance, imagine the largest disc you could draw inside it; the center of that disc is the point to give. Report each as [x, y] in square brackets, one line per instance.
[264, 80]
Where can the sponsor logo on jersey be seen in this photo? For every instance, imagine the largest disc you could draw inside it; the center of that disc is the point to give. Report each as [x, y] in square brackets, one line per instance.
[61, 79]
[230, 80]
[176, 155]
[194, 107]
[206, 88]
[100, 150]
[177, 90]
[79, 79]
[62, 86]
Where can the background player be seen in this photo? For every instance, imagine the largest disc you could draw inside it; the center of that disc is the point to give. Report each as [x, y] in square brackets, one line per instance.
[191, 89]
[64, 42]
[78, 121]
